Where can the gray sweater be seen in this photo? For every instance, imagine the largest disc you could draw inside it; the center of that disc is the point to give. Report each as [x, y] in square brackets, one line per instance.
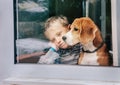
[62, 56]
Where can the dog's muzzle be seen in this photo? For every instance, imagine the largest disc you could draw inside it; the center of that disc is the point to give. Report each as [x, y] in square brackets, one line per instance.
[68, 38]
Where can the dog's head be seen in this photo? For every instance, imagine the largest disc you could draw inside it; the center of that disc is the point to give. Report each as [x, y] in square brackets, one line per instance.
[82, 31]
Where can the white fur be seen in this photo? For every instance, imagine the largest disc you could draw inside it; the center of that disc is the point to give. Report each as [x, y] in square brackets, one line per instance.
[69, 39]
[89, 46]
[90, 58]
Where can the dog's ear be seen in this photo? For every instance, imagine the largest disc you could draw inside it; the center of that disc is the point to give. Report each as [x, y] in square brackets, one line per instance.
[88, 30]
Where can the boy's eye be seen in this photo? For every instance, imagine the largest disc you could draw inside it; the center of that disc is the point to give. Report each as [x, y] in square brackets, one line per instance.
[58, 34]
[75, 29]
[53, 40]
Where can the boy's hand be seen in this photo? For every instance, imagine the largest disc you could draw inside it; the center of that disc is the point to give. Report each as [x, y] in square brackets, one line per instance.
[53, 46]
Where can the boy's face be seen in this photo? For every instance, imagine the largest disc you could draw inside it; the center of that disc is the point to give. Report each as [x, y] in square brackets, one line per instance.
[55, 33]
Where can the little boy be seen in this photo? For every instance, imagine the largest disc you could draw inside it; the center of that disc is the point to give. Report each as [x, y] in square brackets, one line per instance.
[60, 52]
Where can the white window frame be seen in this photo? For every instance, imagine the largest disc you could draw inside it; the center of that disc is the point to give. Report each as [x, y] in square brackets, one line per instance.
[9, 69]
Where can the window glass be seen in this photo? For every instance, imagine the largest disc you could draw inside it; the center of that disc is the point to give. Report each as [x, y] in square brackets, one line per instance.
[30, 15]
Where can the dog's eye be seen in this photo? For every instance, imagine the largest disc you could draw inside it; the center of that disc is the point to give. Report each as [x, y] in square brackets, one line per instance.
[76, 29]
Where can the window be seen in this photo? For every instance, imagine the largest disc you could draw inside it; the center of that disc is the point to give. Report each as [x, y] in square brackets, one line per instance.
[30, 16]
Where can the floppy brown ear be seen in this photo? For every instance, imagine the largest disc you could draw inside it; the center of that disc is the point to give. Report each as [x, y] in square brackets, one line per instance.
[88, 29]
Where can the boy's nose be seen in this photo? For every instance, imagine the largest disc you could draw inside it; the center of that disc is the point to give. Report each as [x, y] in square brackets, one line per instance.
[64, 38]
[57, 39]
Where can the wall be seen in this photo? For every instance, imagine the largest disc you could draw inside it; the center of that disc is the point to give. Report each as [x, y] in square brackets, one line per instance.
[6, 31]
[6, 54]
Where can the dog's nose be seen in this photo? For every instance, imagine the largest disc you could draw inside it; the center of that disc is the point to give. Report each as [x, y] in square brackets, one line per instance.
[64, 38]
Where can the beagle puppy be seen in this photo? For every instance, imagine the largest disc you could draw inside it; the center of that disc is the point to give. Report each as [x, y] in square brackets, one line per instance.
[84, 31]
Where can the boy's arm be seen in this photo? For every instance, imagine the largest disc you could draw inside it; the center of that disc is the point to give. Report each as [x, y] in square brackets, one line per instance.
[49, 57]
[24, 56]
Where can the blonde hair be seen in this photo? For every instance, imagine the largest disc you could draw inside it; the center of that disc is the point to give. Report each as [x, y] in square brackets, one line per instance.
[61, 19]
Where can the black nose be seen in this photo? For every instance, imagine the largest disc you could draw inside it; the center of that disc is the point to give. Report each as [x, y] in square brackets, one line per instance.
[64, 38]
